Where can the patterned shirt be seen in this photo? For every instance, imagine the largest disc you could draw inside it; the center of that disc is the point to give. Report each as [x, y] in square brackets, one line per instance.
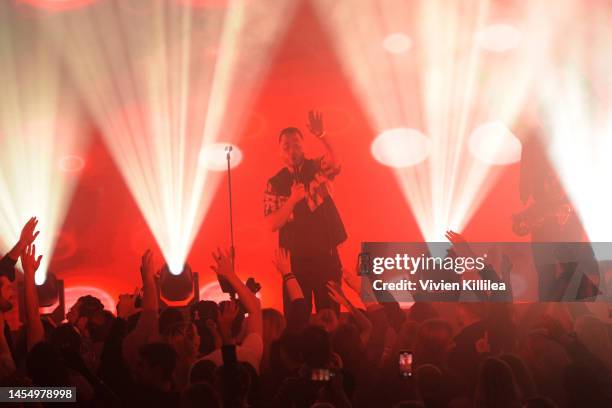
[314, 226]
[318, 188]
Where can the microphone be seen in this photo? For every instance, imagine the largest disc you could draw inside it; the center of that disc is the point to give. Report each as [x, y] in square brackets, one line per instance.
[296, 174]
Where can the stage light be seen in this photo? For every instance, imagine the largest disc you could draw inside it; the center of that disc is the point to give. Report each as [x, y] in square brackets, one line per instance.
[38, 126]
[446, 86]
[51, 299]
[397, 43]
[577, 116]
[178, 285]
[163, 100]
[580, 141]
[401, 147]
[214, 157]
[494, 144]
[499, 38]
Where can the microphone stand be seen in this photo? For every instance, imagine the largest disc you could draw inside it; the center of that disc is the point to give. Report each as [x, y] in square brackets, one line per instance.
[228, 150]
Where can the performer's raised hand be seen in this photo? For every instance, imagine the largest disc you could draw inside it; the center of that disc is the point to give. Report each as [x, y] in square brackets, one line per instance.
[315, 123]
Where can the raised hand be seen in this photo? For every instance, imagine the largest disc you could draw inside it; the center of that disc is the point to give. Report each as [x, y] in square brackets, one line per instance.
[460, 246]
[147, 268]
[282, 261]
[352, 280]
[336, 294]
[28, 233]
[29, 261]
[127, 304]
[315, 123]
[223, 263]
[227, 316]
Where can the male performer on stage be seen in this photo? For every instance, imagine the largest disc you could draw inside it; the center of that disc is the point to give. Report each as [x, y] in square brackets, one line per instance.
[298, 204]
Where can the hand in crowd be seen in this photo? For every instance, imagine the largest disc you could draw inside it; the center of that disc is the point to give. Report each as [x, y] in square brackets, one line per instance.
[147, 266]
[282, 261]
[460, 245]
[227, 316]
[29, 261]
[127, 304]
[27, 237]
[223, 263]
[29, 233]
[336, 294]
[482, 344]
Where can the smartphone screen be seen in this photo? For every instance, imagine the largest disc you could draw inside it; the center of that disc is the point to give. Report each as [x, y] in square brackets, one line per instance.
[321, 374]
[405, 363]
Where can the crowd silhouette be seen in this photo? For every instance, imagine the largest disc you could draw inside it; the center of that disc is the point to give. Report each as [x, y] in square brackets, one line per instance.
[236, 354]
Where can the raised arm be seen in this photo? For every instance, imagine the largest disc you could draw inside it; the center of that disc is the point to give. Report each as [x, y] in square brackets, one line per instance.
[282, 262]
[149, 285]
[316, 127]
[223, 268]
[35, 332]
[365, 326]
[7, 364]
[28, 235]
[148, 321]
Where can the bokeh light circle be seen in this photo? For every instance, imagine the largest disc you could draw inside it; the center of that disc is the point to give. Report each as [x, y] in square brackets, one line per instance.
[397, 43]
[493, 143]
[499, 38]
[401, 147]
[71, 163]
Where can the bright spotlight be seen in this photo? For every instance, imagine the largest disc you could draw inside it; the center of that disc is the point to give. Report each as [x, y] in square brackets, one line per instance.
[162, 99]
[494, 144]
[397, 43]
[577, 117]
[499, 38]
[401, 147]
[38, 126]
[579, 147]
[446, 86]
[214, 157]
